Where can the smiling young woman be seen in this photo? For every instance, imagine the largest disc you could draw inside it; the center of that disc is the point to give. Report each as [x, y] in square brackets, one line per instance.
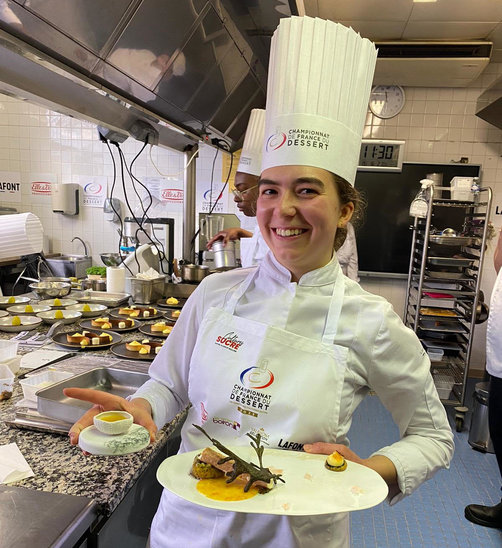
[299, 210]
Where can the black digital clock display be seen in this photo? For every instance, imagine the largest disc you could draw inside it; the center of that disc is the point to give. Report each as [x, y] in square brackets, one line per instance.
[381, 155]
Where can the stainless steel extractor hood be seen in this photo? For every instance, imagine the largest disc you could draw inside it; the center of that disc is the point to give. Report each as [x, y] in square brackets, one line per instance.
[193, 69]
[489, 104]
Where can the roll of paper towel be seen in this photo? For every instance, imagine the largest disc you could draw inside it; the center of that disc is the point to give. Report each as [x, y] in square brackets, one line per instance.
[115, 279]
[20, 234]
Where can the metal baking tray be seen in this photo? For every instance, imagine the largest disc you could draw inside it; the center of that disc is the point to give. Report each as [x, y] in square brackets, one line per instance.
[454, 240]
[451, 261]
[51, 401]
[102, 297]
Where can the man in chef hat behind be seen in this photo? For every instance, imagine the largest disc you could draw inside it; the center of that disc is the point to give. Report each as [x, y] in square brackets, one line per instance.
[252, 246]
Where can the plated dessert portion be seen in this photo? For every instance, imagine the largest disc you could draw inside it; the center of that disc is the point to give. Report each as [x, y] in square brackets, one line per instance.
[157, 329]
[146, 346]
[56, 315]
[88, 310]
[171, 302]
[106, 322]
[9, 301]
[19, 309]
[172, 314]
[57, 303]
[136, 312]
[19, 323]
[86, 340]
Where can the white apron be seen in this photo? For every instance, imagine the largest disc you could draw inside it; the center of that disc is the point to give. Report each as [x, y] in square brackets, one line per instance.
[247, 376]
[493, 331]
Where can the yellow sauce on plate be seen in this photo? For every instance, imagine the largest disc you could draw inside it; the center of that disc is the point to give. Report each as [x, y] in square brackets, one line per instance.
[218, 489]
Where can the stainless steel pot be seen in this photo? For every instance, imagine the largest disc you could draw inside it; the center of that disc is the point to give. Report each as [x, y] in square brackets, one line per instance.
[224, 255]
[194, 273]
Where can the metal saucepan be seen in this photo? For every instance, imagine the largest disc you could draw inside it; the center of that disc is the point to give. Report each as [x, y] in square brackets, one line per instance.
[193, 273]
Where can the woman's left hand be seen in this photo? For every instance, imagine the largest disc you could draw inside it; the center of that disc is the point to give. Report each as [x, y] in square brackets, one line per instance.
[323, 448]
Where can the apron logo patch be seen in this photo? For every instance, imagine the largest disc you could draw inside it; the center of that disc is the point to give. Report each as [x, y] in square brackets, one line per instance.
[230, 341]
[247, 396]
[227, 422]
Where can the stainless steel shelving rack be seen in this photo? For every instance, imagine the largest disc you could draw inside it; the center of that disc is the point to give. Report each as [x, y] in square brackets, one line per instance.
[460, 278]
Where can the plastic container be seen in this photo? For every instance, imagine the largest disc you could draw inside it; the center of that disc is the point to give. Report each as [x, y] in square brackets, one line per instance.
[30, 385]
[461, 189]
[8, 350]
[147, 291]
[435, 354]
[6, 382]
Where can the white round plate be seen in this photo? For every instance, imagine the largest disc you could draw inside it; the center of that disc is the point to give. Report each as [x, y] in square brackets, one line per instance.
[95, 442]
[309, 488]
[95, 309]
[19, 309]
[64, 302]
[69, 316]
[3, 313]
[4, 301]
[27, 323]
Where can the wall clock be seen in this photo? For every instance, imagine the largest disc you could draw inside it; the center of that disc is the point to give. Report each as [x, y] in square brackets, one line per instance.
[386, 101]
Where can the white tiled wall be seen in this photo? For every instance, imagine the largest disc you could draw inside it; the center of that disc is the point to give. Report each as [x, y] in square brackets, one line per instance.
[438, 125]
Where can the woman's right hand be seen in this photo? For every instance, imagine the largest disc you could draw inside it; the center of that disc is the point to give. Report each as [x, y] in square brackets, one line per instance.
[139, 408]
[229, 234]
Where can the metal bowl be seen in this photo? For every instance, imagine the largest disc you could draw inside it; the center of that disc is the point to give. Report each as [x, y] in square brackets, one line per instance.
[111, 259]
[47, 290]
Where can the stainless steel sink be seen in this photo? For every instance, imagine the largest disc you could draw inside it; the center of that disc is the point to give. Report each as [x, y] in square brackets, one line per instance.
[70, 265]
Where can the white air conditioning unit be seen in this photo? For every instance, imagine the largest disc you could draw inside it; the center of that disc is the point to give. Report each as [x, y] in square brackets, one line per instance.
[431, 64]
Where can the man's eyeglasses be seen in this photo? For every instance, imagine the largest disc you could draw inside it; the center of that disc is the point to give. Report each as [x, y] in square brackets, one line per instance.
[240, 193]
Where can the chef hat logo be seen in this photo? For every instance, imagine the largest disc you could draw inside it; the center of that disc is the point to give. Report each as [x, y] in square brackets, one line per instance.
[275, 141]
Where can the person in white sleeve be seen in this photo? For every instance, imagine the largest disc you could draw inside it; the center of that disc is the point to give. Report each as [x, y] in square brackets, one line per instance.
[325, 341]
[491, 516]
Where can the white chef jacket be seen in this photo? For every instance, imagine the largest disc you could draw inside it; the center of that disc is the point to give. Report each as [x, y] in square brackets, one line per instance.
[383, 355]
[494, 330]
[253, 249]
[347, 255]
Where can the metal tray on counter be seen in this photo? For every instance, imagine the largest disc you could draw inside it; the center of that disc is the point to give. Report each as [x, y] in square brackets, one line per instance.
[53, 403]
[450, 261]
[102, 297]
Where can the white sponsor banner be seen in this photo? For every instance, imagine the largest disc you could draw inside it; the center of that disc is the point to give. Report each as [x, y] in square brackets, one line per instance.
[10, 186]
[169, 191]
[41, 185]
[93, 191]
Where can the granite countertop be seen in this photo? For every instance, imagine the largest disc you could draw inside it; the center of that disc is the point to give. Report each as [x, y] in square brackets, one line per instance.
[62, 468]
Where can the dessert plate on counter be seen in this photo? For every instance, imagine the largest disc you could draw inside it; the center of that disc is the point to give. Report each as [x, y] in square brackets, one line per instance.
[57, 303]
[3, 313]
[52, 316]
[121, 351]
[95, 442]
[164, 304]
[87, 324]
[88, 310]
[115, 312]
[19, 309]
[27, 323]
[309, 488]
[7, 301]
[61, 340]
[147, 330]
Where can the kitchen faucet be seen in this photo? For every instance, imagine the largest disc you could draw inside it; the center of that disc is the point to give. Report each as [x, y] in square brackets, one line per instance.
[83, 243]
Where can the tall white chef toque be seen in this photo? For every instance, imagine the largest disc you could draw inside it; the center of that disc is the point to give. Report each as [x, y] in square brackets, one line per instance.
[252, 148]
[319, 81]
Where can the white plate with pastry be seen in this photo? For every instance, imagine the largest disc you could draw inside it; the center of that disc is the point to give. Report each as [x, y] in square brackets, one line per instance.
[309, 488]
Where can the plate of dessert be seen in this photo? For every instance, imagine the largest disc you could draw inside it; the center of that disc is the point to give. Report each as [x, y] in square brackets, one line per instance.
[143, 349]
[9, 301]
[19, 323]
[136, 312]
[304, 484]
[86, 340]
[19, 309]
[57, 303]
[157, 329]
[56, 315]
[88, 310]
[119, 325]
[172, 314]
[171, 302]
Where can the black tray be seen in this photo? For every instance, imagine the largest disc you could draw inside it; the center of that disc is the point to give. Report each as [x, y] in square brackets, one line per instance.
[146, 330]
[121, 351]
[60, 339]
[115, 313]
[162, 303]
[86, 324]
